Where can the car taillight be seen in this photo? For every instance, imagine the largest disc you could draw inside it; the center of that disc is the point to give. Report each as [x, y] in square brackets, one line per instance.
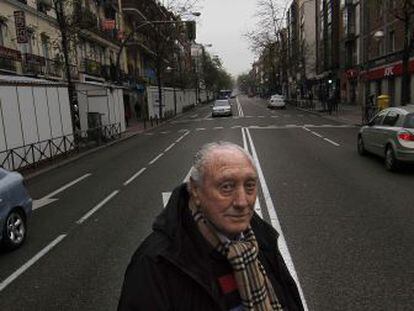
[406, 136]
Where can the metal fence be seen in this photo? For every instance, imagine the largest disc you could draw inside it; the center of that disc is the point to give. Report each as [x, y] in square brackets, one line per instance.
[32, 155]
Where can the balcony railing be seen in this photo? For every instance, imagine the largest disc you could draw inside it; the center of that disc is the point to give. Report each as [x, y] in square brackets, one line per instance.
[34, 64]
[9, 59]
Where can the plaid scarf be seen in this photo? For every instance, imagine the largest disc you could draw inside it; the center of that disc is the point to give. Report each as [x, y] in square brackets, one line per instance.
[254, 286]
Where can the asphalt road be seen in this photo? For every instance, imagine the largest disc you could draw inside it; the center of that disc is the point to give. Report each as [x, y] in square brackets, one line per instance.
[347, 224]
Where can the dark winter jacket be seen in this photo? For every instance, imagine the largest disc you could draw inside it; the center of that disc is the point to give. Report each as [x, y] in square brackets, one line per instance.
[172, 268]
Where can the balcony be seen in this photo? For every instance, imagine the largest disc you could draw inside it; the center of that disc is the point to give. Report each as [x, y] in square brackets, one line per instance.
[9, 59]
[33, 64]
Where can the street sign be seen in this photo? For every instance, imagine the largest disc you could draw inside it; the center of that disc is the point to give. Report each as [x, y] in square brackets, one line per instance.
[21, 29]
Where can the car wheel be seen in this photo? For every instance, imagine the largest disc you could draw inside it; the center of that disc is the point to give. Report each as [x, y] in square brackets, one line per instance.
[391, 163]
[361, 148]
[14, 231]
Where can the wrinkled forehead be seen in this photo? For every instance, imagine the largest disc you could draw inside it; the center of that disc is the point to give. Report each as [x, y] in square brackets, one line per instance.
[220, 159]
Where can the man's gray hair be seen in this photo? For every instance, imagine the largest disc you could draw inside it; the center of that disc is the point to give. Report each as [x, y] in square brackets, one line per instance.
[202, 156]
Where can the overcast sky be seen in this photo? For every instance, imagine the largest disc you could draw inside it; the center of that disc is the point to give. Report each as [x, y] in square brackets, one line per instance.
[222, 24]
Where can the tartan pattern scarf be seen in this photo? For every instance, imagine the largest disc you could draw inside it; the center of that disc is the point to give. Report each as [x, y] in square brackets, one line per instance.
[256, 291]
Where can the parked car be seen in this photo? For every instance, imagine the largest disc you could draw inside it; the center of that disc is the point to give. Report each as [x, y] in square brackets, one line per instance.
[276, 101]
[15, 208]
[390, 134]
[221, 108]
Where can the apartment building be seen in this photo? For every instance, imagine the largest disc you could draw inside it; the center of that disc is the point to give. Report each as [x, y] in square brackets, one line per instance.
[29, 39]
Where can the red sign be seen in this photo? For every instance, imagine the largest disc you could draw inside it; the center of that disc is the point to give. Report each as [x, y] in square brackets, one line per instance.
[10, 54]
[20, 23]
[387, 71]
[351, 73]
[108, 24]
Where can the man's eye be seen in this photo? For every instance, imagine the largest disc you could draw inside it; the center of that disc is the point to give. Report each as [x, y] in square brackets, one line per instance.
[227, 187]
[250, 186]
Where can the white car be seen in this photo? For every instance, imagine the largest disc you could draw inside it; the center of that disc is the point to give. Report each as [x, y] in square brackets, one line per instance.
[221, 108]
[276, 101]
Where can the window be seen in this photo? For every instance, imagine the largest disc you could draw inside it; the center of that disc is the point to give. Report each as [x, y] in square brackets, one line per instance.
[409, 121]
[391, 41]
[45, 46]
[377, 120]
[391, 118]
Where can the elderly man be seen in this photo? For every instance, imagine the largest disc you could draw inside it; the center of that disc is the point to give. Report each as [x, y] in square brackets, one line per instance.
[208, 250]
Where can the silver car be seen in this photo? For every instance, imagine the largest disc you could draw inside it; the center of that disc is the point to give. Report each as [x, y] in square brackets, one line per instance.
[221, 108]
[276, 101]
[390, 134]
[15, 207]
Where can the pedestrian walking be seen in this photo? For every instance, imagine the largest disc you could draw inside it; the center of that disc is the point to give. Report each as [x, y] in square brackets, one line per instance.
[208, 250]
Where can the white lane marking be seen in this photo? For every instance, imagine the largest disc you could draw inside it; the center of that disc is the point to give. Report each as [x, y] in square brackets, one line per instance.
[240, 108]
[249, 116]
[236, 127]
[218, 128]
[169, 147]
[200, 129]
[182, 136]
[316, 134]
[261, 117]
[292, 125]
[332, 142]
[165, 132]
[275, 221]
[257, 206]
[156, 158]
[47, 199]
[306, 129]
[194, 115]
[97, 207]
[31, 262]
[134, 176]
[182, 131]
[274, 116]
[165, 198]
[207, 116]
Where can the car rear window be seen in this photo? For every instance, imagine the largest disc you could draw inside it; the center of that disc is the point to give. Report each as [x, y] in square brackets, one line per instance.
[221, 104]
[409, 121]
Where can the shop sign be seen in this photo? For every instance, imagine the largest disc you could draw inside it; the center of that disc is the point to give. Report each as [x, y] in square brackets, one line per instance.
[389, 71]
[351, 73]
[10, 54]
[21, 29]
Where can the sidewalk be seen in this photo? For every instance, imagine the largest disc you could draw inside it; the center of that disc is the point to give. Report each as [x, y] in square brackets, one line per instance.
[131, 131]
[348, 114]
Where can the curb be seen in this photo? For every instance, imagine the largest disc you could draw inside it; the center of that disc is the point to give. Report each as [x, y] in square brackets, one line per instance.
[338, 119]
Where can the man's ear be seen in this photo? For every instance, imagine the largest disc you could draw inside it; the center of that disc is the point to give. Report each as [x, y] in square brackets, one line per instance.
[194, 192]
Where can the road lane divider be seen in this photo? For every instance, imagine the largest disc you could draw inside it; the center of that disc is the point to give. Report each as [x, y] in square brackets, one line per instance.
[320, 136]
[316, 134]
[136, 175]
[169, 147]
[47, 199]
[156, 158]
[275, 220]
[332, 142]
[97, 207]
[31, 262]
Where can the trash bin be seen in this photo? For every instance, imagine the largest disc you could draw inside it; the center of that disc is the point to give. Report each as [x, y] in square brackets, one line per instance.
[383, 101]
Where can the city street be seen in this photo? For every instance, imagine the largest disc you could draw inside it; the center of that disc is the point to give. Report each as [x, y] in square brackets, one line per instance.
[346, 224]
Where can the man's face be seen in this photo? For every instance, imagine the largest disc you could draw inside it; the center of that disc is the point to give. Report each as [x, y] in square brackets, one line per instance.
[228, 191]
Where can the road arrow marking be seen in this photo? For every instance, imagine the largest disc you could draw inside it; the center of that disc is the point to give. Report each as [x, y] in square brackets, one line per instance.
[165, 198]
[47, 199]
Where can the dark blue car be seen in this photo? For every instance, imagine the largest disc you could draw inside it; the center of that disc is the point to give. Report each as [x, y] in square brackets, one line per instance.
[15, 207]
